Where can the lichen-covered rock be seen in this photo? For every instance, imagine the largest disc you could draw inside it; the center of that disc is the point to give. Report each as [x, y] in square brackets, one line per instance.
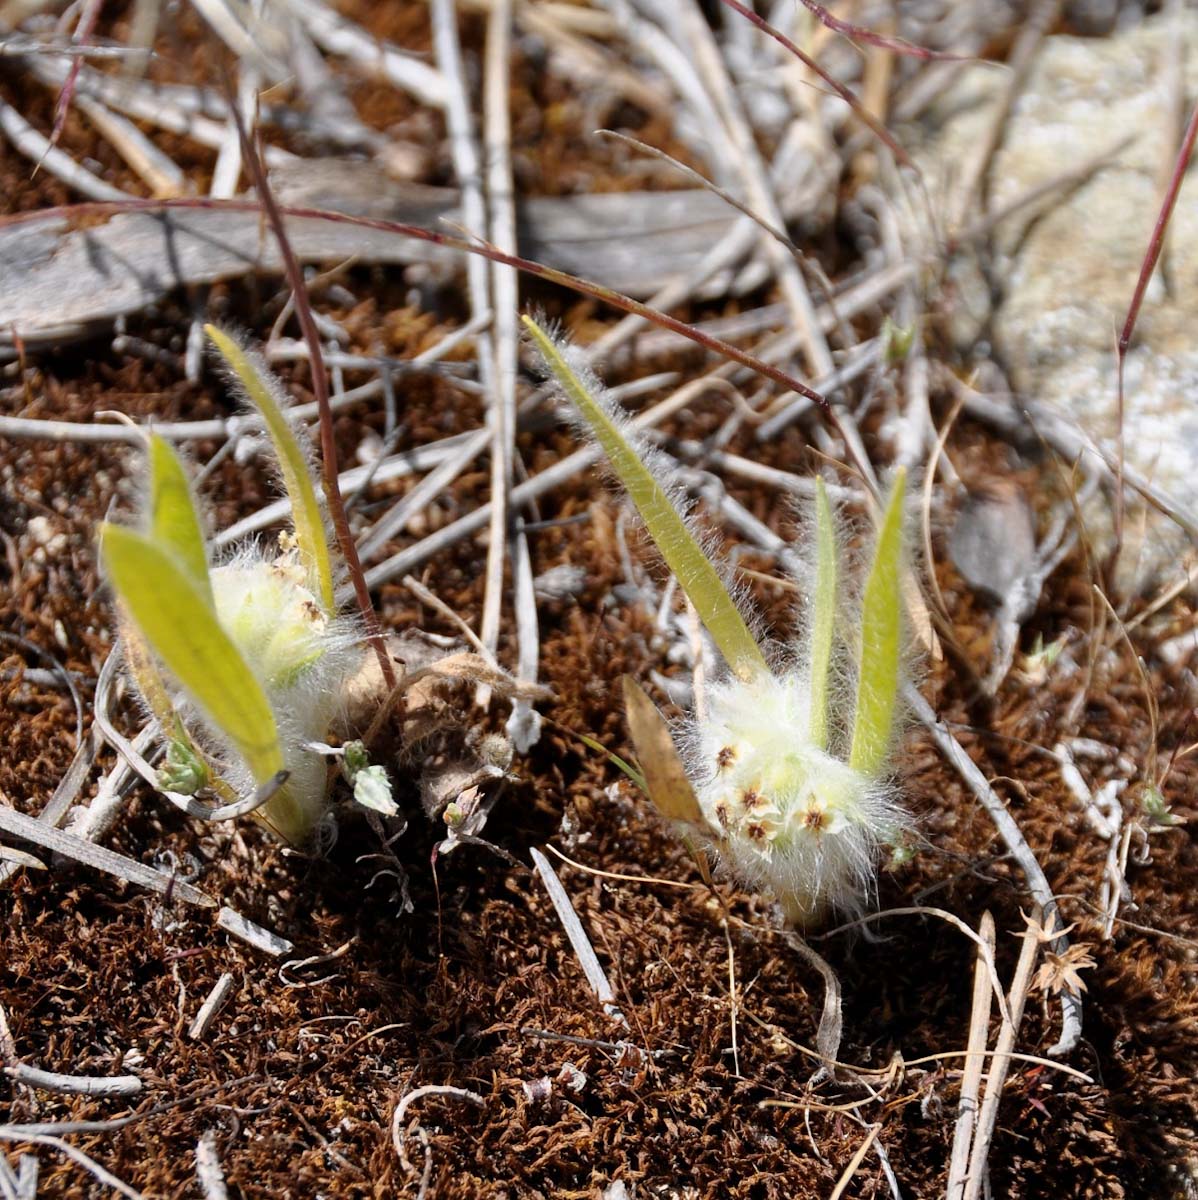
[1066, 271]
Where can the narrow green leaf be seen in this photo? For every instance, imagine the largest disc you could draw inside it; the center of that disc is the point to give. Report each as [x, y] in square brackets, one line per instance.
[823, 615]
[181, 629]
[174, 522]
[881, 642]
[297, 475]
[695, 573]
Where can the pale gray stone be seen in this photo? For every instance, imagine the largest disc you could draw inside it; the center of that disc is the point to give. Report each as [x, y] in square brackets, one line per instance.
[1065, 271]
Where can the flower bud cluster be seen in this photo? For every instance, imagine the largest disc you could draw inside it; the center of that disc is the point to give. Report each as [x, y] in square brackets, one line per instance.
[787, 816]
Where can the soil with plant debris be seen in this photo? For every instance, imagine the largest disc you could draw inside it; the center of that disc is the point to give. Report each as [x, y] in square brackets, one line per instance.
[452, 970]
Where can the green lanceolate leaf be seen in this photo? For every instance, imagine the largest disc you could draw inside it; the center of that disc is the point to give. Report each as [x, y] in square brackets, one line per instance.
[823, 615]
[174, 522]
[297, 476]
[881, 642]
[180, 627]
[692, 568]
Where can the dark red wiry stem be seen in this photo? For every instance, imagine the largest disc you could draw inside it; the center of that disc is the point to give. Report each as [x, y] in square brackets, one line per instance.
[1151, 255]
[880, 131]
[860, 34]
[449, 241]
[83, 36]
[320, 390]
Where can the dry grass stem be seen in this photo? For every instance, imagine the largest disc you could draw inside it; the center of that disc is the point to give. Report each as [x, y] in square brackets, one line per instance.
[979, 1033]
[216, 999]
[579, 942]
[997, 1075]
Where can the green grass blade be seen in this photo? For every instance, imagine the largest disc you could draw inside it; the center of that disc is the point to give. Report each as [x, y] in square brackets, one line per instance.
[616, 761]
[174, 522]
[306, 514]
[823, 615]
[881, 642]
[180, 627]
[695, 573]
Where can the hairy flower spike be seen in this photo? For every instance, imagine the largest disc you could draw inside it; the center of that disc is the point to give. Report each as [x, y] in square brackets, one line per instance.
[790, 779]
[795, 819]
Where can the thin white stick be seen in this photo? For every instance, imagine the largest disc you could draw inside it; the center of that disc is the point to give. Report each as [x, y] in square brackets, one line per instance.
[27, 1177]
[338, 35]
[505, 302]
[227, 173]
[74, 1085]
[163, 175]
[702, 44]
[100, 859]
[36, 146]
[971, 1077]
[581, 944]
[65, 793]
[524, 724]
[209, 1173]
[217, 998]
[246, 44]
[93, 822]
[215, 430]
[1001, 1062]
[253, 935]
[88, 1163]
[8, 1045]
[172, 108]
[396, 518]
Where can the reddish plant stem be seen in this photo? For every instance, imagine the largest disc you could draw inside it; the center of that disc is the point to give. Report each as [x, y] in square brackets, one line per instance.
[466, 246]
[320, 389]
[859, 33]
[1151, 255]
[83, 36]
[880, 131]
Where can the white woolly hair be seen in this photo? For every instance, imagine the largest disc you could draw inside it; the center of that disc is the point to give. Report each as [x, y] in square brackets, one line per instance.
[654, 461]
[305, 706]
[757, 730]
[836, 873]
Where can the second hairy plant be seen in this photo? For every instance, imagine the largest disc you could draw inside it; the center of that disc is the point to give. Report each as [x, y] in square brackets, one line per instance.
[243, 663]
[791, 764]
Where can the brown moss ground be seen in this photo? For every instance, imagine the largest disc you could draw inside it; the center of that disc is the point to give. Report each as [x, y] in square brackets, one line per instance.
[299, 1083]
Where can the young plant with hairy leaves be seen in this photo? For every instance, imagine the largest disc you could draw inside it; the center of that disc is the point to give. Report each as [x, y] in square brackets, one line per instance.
[790, 765]
[244, 663]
